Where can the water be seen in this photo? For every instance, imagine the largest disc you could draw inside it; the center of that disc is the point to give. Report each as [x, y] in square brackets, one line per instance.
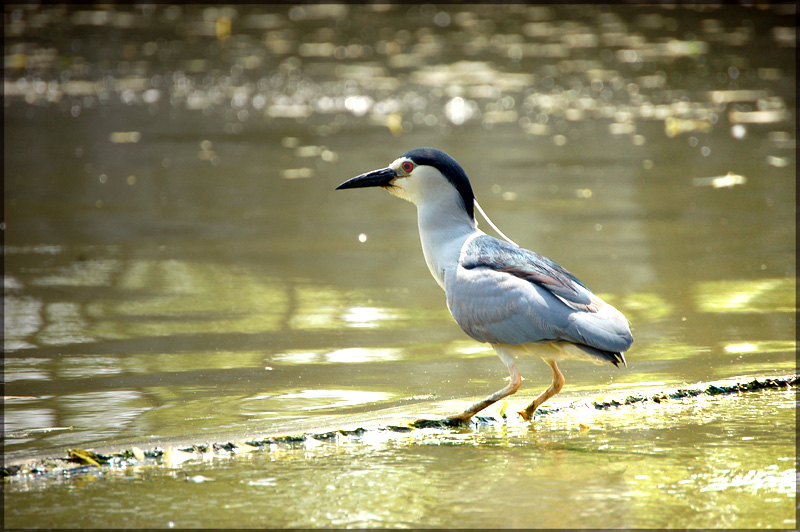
[177, 265]
[723, 462]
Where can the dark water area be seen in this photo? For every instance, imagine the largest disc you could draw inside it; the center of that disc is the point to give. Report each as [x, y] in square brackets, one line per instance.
[178, 265]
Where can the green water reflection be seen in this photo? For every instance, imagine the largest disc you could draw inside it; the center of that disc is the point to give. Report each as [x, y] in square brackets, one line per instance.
[713, 463]
[765, 295]
[177, 264]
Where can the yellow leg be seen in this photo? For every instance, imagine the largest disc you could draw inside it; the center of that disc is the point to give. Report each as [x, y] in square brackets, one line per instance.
[555, 387]
[513, 385]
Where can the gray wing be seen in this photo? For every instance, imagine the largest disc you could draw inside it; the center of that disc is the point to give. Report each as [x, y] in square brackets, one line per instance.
[500, 293]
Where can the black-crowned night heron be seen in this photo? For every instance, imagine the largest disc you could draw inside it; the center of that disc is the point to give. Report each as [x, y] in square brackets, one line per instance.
[517, 300]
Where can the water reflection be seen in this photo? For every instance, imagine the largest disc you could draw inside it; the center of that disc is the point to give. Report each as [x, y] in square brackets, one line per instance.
[720, 464]
[319, 399]
[173, 248]
[766, 295]
[21, 319]
[369, 317]
[350, 355]
[304, 83]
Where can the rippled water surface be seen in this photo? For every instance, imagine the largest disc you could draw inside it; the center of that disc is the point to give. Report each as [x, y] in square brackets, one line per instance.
[177, 265]
[724, 462]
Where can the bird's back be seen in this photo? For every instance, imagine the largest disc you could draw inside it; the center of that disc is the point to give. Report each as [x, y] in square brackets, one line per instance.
[503, 294]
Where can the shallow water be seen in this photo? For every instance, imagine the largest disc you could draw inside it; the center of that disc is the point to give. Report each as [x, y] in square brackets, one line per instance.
[721, 462]
[177, 264]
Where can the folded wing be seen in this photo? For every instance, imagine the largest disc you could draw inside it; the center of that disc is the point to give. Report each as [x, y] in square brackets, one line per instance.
[504, 294]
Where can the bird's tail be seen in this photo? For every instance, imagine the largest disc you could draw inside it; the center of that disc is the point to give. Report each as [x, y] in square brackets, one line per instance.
[605, 356]
[566, 349]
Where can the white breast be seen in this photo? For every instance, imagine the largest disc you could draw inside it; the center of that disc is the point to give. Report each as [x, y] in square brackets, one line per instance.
[444, 224]
[442, 241]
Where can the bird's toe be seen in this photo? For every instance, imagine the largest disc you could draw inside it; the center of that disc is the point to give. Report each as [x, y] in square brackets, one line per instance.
[458, 419]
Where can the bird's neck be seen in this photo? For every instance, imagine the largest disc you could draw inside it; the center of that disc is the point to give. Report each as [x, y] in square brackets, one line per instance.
[443, 233]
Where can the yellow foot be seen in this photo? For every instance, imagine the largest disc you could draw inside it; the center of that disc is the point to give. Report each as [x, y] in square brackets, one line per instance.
[525, 415]
[502, 410]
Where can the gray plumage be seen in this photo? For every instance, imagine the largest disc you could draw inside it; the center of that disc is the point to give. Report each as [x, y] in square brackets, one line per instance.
[503, 294]
[517, 300]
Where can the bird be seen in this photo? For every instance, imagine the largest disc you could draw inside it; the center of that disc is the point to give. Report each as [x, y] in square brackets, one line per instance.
[499, 293]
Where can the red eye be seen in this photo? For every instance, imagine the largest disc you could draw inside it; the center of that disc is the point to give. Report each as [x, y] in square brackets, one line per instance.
[408, 166]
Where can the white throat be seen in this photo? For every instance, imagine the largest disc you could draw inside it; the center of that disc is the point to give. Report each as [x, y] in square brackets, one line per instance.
[442, 235]
[444, 225]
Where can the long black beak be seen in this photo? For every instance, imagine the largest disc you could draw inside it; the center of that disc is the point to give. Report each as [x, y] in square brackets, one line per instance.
[376, 178]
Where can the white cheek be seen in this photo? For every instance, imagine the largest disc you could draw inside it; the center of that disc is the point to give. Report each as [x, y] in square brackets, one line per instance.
[424, 185]
[400, 189]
